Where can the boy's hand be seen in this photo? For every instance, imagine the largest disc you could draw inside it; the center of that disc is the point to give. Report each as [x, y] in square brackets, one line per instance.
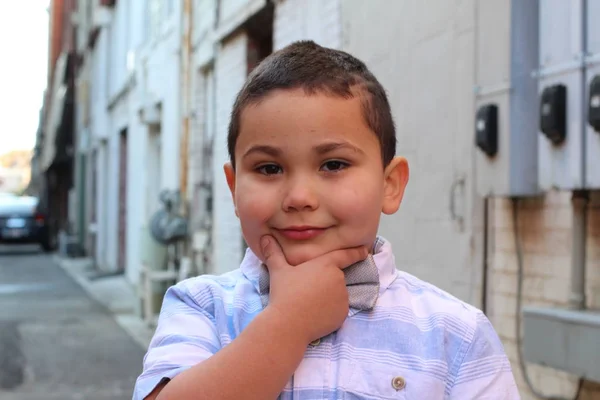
[311, 296]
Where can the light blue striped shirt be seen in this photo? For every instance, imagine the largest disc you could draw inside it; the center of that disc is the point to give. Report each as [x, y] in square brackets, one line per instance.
[417, 343]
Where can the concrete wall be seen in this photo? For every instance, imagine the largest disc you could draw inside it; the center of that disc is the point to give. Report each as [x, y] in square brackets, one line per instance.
[427, 69]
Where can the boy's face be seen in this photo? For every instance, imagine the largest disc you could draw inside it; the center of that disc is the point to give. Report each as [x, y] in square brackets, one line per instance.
[309, 172]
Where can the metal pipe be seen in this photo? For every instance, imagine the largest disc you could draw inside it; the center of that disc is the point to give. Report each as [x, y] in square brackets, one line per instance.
[185, 76]
[579, 200]
[486, 255]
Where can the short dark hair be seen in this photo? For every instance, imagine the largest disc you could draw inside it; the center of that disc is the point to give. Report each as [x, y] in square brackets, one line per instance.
[316, 69]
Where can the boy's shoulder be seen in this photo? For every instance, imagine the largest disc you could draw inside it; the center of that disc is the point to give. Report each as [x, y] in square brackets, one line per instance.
[201, 283]
[203, 290]
[429, 299]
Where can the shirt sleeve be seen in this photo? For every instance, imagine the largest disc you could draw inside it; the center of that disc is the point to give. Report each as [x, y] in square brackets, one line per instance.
[185, 336]
[485, 372]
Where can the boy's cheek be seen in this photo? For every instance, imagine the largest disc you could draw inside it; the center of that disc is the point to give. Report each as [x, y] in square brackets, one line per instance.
[253, 208]
[350, 205]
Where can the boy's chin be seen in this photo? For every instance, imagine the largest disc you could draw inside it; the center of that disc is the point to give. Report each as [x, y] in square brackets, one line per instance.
[299, 254]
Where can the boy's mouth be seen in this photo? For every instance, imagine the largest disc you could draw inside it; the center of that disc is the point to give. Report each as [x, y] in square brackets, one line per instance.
[301, 232]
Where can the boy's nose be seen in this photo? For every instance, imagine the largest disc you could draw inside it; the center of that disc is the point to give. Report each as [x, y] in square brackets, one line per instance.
[300, 196]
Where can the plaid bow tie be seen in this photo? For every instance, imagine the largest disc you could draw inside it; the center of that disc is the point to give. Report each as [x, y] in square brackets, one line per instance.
[362, 281]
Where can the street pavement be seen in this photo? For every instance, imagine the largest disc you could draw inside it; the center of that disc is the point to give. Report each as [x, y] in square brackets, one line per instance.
[55, 341]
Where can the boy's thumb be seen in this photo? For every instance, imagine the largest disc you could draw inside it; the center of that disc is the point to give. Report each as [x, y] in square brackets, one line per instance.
[272, 253]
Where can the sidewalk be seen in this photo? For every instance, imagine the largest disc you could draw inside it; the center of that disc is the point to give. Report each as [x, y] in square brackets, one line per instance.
[113, 292]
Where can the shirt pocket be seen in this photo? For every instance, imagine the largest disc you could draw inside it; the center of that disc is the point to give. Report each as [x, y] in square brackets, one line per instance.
[373, 381]
[379, 381]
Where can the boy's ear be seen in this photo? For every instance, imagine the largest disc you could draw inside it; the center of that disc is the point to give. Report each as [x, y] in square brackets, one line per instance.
[395, 180]
[230, 176]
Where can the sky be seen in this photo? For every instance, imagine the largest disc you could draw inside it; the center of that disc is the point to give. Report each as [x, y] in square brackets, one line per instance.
[23, 71]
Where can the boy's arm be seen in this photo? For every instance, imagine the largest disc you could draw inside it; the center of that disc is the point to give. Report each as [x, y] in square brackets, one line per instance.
[185, 359]
[259, 362]
[485, 372]
[256, 365]
[186, 335]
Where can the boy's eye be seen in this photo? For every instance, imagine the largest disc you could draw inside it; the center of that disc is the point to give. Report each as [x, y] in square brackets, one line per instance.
[269, 169]
[334, 165]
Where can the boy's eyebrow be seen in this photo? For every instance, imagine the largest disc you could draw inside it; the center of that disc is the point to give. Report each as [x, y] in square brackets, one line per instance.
[321, 149]
[329, 147]
[266, 149]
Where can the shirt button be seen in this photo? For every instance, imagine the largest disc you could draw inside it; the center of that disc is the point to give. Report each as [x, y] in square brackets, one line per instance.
[398, 383]
[315, 342]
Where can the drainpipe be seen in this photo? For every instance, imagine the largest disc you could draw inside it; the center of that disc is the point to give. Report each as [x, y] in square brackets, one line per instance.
[185, 76]
[486, 264]
[579, 200]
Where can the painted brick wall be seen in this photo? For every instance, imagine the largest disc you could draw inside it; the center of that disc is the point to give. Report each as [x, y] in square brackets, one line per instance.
[230, 7]
[545, 231]
[196, 142]
[204, 17]
[307, 19]
[230, 75]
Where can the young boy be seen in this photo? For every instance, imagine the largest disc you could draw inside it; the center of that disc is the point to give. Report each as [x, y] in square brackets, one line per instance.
[317, 309]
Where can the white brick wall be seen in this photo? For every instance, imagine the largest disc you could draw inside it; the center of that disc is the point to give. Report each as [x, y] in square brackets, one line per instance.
[229, 8]
[201, 132]
[202, 110]
[196, 143]
[230, 75]
[204, 17]
[307, 19]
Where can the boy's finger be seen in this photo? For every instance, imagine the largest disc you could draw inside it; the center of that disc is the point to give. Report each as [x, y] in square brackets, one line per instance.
[272, 253]
[346, 257]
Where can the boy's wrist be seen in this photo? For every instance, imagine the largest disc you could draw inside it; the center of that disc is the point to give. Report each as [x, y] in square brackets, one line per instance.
[286, 325]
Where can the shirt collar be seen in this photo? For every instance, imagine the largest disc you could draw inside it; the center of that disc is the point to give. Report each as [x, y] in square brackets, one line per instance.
[382, 254]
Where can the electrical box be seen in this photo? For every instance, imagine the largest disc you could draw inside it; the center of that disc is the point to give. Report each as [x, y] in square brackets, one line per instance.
[592, 108]
[506, 98]
[568, 340]
[560, 77]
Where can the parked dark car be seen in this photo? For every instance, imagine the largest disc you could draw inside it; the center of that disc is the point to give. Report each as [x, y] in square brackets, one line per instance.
[21, 222]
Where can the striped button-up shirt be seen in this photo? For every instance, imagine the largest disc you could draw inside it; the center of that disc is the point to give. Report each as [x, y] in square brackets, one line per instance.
[418, 342]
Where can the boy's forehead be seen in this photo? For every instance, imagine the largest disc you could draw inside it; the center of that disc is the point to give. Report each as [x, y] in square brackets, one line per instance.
[297, 108]
[289, 119]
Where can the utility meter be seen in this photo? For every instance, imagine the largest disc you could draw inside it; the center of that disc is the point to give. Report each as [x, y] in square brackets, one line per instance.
[594, 104]
[486, 129]
[553, 113]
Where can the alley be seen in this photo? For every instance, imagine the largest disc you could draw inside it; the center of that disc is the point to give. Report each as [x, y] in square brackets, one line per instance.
[55, 342]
